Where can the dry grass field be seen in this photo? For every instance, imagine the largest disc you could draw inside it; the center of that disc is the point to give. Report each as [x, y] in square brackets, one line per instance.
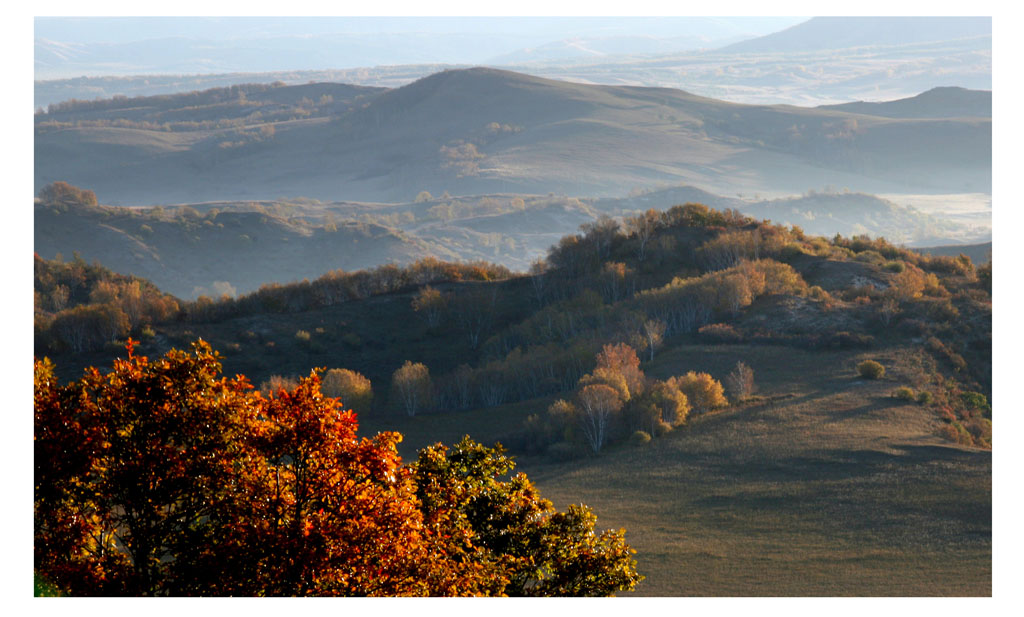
[835, 489]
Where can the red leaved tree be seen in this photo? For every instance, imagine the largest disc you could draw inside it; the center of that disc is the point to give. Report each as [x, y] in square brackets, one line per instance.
[165, 478]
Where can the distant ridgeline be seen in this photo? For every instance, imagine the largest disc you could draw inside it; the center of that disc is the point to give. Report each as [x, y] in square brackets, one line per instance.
[487, 131]
[215, 248]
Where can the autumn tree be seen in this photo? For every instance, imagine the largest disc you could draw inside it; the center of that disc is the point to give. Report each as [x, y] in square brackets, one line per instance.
[412, 387]
[354, 390]
[615, 281]
[607, 377]
[516, 540]
[622, 359]
[599, 235]
[165, 478]
[729, 248]
[475, 313]
[741, 381]
[653, 331]
[317, 510]
[670, 401]
[642, 227]
[539, 276]
[139, 477]
[430, 303]
[64, 194]
[88, 327]
[598, 405]
[703, 391]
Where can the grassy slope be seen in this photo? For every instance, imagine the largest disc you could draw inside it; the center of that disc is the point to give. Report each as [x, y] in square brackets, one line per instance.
[837, 490]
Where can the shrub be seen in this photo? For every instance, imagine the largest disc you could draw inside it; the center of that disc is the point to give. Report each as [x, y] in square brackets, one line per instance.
[976, 400]
[412, 388]
[846, 340]
[64, 194]
[702, 391]
[904, 394]
[719, 333]
[946, 413]
[662, 428]
[869, 369]
[980, 430]
[639, 438]
[924, 397]
[352, 388]
[741, 381]
[895, 266]
[817, 293]
[956, 433]
[791, 251]
[870, 256]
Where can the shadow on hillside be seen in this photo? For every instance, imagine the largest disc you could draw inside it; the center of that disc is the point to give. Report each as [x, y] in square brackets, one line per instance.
[862, 491]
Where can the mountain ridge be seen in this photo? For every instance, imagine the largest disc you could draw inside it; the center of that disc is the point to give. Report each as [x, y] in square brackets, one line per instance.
[486, 130]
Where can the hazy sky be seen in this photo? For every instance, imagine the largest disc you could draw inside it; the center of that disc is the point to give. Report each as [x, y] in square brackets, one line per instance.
[126, 29]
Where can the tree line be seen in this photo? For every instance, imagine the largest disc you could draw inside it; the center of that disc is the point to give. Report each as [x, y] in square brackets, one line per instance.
[82, 307]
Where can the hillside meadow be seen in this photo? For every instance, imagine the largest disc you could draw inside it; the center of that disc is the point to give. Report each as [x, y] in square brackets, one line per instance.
[834, 489]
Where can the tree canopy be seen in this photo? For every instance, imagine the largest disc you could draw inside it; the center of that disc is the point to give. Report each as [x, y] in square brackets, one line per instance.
[165, 478]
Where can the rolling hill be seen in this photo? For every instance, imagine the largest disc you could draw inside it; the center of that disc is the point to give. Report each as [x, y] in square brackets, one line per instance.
[483, 131]
[946, 102]
[187, 253]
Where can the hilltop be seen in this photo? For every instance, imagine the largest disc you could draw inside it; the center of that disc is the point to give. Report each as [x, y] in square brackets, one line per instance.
[481, 130]
[948, 102]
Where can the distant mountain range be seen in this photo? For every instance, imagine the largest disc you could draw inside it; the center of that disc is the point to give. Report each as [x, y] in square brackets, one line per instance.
[483, 130]
[70, 47]
[821, 33]
[832, 60]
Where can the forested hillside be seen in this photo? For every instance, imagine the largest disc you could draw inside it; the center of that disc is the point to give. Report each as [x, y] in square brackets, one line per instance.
[491, 337]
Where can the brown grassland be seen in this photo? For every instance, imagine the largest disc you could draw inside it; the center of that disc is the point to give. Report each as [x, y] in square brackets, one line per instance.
[825, 486]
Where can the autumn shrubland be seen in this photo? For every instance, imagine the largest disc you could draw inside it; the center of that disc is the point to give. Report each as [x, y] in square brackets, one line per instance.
[768, 464]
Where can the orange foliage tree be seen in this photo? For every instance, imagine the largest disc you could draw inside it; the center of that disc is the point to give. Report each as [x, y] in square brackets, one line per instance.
[165, 478]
